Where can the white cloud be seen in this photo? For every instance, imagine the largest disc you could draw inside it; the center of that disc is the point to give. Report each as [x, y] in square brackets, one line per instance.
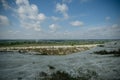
[115, 28]
[55, 18]
[107, 18]
[5, 4]
[77, 23]
[4, 21]
[53, 27]
[41, 16]
[112, 31]
[13, 32]
[62, 8]
[37, 29]
[29, 15]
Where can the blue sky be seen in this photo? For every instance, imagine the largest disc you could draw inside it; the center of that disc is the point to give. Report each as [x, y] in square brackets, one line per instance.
[59, 19]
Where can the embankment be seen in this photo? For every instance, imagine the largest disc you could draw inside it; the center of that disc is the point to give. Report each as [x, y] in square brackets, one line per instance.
[48, 50]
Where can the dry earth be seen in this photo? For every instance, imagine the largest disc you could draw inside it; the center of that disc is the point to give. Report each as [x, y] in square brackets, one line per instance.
[15, 66]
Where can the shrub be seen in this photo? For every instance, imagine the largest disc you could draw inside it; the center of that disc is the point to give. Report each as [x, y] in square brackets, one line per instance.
[51, 67]
[104, 52]
[101, 52]
[101, 45]
[62, 75]
[19, 78]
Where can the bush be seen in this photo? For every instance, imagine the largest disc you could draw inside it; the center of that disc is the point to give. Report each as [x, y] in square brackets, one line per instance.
[101, 52]
[104, 52]
[60, 75]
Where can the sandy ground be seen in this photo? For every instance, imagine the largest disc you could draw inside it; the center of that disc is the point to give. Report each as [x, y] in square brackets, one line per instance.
[15, 65]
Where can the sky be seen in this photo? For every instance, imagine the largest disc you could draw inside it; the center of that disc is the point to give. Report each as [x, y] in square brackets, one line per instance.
[59, 19]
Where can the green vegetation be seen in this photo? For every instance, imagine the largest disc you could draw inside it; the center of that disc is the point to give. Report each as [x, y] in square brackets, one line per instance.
[104, 52]
[4, 43]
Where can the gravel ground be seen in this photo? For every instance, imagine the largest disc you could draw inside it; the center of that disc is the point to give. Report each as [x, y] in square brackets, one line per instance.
[16, 66]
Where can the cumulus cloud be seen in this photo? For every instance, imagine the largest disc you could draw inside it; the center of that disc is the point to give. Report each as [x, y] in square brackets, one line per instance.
[29, 15]
[4, 21]
[53, 27]
[62, 8]
[77, 23]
